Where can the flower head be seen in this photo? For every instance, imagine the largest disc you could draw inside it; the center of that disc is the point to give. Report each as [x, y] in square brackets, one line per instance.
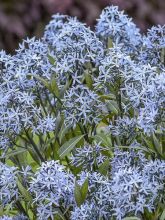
[81, 105]
[114, 24]
[8, 184]
[52, 187]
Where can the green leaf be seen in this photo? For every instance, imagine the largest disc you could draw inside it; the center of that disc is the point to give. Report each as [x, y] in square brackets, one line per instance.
[110, 43]
[88, 79]
[54, 87]
[157, 146]
[66, 148]
[163, 55]
[48, 143]
[1, 211]
[77, 194]
[15, 152]
[58, 216]
[51, 59]
[109, 96]
[104, 139]
[101, 128]
[80, 192]
[24, 192]
[84, 189]
[43, 81]
[148, 143]
[63, 131]
[162, 217]
[112, 106]
[59, 122]
[103, 168]
[64, 89]
[22, 158]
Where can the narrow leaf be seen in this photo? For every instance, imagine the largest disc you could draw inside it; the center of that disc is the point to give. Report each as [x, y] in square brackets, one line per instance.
[54, 87]
[112, 107]
[15, 152]
[77, 194]
[43, 81]
[88, 80]
[162, 217]
[84, 190]
[103, 169]
[51, 59]
[66, 148]
[24, 192]
[156, 144]
[104, 139]
[63, 131]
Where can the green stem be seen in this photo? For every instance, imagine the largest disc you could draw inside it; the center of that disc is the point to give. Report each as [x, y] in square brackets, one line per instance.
[84, 131]
[34, 146]
[21, 208]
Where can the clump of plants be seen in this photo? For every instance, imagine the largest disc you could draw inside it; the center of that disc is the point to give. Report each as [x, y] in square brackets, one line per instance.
[82, 118]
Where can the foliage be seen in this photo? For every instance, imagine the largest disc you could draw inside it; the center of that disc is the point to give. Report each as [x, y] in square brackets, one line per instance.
[82, 117]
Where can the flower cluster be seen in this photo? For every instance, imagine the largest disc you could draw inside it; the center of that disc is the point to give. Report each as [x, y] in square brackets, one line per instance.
[8, 184]
[54, 28]
[144, 88]
[140, 87]
[81, 105]
[20, 92]
[114, 24]
[73, 46]
[125, 127]
[112, 68]
[69, 102]
[53, 188]
[89, 156]
[134, 184]
[153, 47]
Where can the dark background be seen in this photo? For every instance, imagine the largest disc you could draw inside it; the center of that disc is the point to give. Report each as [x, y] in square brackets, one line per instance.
[22, 18]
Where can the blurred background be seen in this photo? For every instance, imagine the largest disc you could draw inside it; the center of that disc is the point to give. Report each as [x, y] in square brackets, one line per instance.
[22, 18]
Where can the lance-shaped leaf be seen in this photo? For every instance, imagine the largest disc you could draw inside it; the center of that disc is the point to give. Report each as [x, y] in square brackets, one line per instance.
[162, 217]
[112, 106]
[24, 192]
[103, 168]
[88, 79]
[51, 59]
[157, 145]
[54, 87]
[64, 129]
[67, 147]
[80, 192]
[104, 139]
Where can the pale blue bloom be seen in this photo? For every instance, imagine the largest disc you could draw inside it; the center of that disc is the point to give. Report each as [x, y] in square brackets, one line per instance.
[114, 24]
[153, 47]
[81, 105]
[8, 184]
[53, 187]
[88, 157]
[54, 27]
[18, 217]
[45, 124]
[134, 184]
[74, 46]
[5, 217]
[87, 211]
